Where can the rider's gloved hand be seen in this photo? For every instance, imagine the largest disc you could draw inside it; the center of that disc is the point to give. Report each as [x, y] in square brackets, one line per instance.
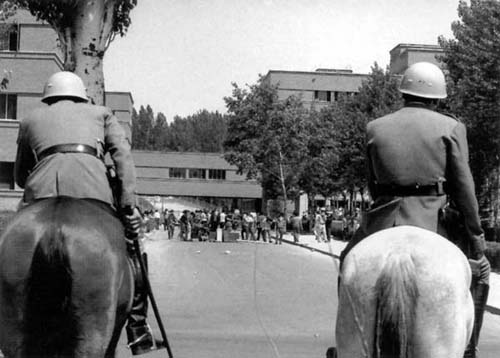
[480, 268]
[132, 221]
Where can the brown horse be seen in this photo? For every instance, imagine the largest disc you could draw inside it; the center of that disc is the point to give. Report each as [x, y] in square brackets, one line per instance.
[65, 281]
[404, 292]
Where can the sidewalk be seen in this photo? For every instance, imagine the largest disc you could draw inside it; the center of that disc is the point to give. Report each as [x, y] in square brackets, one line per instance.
[335, 247]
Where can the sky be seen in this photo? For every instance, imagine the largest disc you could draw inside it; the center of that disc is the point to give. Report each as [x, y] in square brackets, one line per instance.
[181, 56]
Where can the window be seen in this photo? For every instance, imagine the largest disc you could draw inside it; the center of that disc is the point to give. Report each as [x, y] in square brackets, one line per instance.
[9, 37]
[323, 96]
[197, 173]
[177, 173]
[8, 106]
[218, 174]
[6, 175]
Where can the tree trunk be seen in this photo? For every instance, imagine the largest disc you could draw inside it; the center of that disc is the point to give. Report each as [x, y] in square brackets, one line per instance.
[90, 36]
[283, 186]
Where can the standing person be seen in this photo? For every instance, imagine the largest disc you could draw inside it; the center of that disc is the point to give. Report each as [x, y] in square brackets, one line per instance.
[266, 229]
[60, 152]
[261, 220]
[416, 158]
[296, 223]
[306, 222]
[319, 225]
[171, 223]
[185, 226]
[157, 217]
[328, 224]
[244, 226]
[222, 219]
[281, 229]
[251, 226]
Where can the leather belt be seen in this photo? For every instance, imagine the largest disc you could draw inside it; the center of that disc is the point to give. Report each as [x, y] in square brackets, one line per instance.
[69, 148]
[437, 189]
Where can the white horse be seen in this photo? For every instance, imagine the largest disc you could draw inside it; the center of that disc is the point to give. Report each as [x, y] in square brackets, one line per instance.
[404, 292]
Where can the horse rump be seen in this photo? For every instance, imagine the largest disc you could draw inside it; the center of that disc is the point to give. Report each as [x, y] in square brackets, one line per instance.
[49, 322]
[396, 298]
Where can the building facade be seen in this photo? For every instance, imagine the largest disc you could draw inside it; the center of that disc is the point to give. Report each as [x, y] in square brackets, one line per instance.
[204, 177]
[316, 89]
[405, 55]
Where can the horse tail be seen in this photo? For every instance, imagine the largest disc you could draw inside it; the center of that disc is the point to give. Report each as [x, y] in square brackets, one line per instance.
[49, 323]
[396, 296]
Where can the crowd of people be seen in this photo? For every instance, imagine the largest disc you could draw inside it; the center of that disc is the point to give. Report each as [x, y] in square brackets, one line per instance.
[205, 225]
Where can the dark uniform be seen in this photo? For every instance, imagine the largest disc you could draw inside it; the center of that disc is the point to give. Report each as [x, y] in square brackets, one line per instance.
[416, 156]
[78, 175]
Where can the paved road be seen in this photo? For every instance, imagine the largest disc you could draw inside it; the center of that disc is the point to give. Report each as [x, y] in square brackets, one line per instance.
[243, 299]
[228, 300]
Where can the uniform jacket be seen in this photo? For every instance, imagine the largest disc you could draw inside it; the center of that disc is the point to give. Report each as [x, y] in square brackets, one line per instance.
[416, 145]
[73, 174]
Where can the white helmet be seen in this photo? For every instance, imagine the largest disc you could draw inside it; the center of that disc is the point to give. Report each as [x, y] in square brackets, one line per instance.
[64, 84]
[424, 79]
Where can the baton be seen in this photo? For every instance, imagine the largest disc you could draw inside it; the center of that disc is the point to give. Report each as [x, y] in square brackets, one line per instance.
[137, 249]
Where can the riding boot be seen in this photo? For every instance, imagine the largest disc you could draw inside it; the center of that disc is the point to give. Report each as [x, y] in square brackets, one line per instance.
[479, 293]
[139, 334]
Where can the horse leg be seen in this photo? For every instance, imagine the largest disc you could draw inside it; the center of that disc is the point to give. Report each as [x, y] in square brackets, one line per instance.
[354, 328]
[125, 297]
[95, 301]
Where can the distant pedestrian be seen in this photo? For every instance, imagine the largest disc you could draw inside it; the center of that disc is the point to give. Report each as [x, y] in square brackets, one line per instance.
[281, 229]
[185, 225]
[266, 229]
[328, 224]
[261, 219]
[296, 224]
[222, 219]
[170, 223]
[306, 222]
[250, 220]
[157, 217]
[319, 225]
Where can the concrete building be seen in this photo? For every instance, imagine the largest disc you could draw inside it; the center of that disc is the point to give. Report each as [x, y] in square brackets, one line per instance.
[29, 55]
[317, 89]
[203, 177]
[320, 88]
[404, 55]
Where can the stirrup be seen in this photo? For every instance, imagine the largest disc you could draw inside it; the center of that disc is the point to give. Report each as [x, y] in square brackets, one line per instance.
[142, 340]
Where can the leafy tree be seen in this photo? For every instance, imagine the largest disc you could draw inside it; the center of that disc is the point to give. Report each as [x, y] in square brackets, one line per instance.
[202, 132]
[180, 137]
[7, 9]
[320, 174]
[142, 128]
[85, 30]
[158, 132]
[473, 62]
[377, 96]
[267, 138]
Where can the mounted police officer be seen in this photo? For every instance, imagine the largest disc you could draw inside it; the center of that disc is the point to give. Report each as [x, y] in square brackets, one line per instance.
[60, 152]
[418, 161]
